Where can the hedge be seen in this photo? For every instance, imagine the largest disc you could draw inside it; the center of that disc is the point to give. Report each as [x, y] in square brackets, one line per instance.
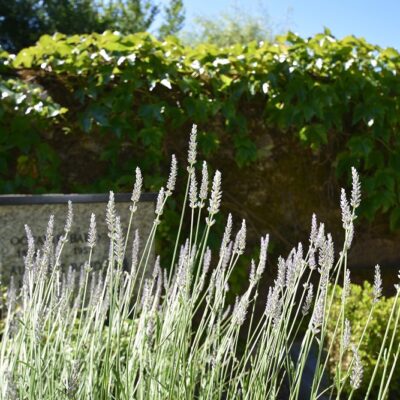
[78, 113]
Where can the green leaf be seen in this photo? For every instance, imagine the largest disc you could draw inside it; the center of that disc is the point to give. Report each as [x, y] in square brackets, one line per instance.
[246, 150]
[375, 160]
[24, 58]
[395, 218]
[343, 163]
[314, 134]
[226, 80]
[384, 178]
[151, 136]
[151, 112]
[87, 122]
[387, 199]
[208, 142]
[360, 146]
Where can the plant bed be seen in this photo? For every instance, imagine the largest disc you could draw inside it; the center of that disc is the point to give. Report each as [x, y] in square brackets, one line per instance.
[120, 334]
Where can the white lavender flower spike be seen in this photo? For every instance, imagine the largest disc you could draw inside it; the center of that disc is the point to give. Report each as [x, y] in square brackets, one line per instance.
[216, 193]
[263, 256]
[119, 241]
[346, 213]
[314, 230]
[377, 284]
[346, 334]
[308, 300]
[172, 176]
[357, 370]
[356, 189]
[193, 191]
[318, 314]
[111, 214]
[240, 241]
[192, 153]
[346, 284]
[137, 189]
[204, 185]
[70, 217]
[91, 241]
[160, 202]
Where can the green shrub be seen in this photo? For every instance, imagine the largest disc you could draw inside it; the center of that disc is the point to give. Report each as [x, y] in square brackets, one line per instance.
[358, 307]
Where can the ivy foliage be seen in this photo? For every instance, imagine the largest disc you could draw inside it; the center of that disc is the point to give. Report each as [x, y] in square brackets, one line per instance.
[118, 96]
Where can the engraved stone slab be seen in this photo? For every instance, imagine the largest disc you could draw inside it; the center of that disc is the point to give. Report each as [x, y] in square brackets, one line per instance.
[34, 211]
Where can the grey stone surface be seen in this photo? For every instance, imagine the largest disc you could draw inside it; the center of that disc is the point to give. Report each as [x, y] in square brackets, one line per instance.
[13, 243]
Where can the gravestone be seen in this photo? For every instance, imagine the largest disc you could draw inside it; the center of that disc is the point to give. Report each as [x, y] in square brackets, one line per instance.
[35, 210]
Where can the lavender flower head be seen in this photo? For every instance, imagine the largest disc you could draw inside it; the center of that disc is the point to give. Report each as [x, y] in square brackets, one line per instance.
[240, 241]
[356, 189]
[227, 235]
[70, 217]
[29, 258]
[193, 191]
[357, 371]
[314, 230]
[318, 314]
[377, 284]
[240, 310]
[137, 188]
[160, 202]
[346, 334]
[215, 200]
[204, 185]
[119, 241]
[91, 241]
[135, 253]
[263, 256]
[308, 301]
[192, 153]
[172, 176]
[346, 213]
[111, 214]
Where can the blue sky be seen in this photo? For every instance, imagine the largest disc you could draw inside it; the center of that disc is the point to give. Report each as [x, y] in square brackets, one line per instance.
[376, 21]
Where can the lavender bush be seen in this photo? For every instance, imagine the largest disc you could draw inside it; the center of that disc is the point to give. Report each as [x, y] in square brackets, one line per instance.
[169, 333]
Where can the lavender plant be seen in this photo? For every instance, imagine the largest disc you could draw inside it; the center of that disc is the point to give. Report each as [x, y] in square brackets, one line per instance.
[152, 332]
